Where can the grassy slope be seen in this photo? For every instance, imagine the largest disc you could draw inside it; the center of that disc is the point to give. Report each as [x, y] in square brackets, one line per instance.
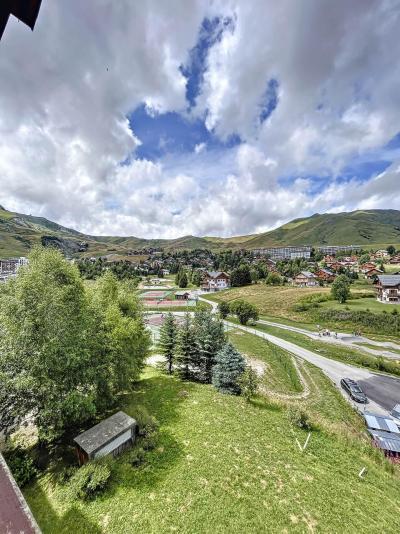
[273, 301]
[222, 465]
[368, 228]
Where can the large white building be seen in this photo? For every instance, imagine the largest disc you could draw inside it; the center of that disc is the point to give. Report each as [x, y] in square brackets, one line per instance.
[9, 267]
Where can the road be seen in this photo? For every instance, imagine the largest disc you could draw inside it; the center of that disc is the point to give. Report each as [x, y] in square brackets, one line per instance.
[344, 339]
[383, 391]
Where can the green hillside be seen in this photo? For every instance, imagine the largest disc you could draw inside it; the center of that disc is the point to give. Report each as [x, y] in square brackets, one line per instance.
[19, 232]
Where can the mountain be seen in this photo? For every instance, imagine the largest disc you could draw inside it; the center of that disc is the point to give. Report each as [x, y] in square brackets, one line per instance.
[19, 232]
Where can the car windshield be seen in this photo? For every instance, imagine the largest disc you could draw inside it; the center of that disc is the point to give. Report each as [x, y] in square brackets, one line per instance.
[356, 389]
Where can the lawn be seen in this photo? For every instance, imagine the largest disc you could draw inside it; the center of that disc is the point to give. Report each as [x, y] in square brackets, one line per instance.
[363, 304]
[272, 301]
[281, 375]
[222, 465]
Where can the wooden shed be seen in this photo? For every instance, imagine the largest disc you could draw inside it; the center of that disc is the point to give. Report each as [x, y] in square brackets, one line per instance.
[111, 436]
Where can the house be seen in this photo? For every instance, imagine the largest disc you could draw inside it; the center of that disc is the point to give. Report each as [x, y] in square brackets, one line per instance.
[385, 434]
[373, 273]
[215, 281]
[111, 436]
[395, 260]
[380, 255]
[365, 267]
[388, 288]
[325, 275]
[182, 295]
[165, 272]
[305, 279]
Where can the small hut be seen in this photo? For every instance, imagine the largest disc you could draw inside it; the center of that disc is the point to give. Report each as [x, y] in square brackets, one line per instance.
[111, 436]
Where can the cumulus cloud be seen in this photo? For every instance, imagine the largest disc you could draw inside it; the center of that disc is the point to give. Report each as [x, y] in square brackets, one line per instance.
[67, 149]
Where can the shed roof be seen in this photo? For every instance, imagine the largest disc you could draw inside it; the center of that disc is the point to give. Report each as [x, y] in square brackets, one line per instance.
[389, 280]
[103, 433]
[380, 422]
[386, 440]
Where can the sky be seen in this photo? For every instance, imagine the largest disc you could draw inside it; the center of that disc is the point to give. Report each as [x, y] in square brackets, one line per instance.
[221, 117]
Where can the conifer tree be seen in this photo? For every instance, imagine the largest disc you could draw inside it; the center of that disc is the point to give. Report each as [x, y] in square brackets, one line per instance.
[186, 348]
[228, 369]
[210, 337]
[168, 335]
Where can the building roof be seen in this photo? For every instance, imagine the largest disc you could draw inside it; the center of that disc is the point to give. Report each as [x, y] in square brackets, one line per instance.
[307, 274]
[380, 422]
[216, 274]
[396, 411]
[103, 433]
[326, 271]
[386, 440]
[389, 280]
[181, 293]
[15, 515]
[26, 11]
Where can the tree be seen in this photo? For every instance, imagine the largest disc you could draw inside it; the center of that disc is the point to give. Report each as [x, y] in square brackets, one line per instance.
[224, 309]
[254, 275]
[391, 250]
[168, 334]
[229, 366]
[273, 279]
[181, 279]
[186, 348]
[340, 290]
[196, 278]
[364, 258]
[244, 311]
[210, 337]
[241, 276]
[49, 364]
[249, 383]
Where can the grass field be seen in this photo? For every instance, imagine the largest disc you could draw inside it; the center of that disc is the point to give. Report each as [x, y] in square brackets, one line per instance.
[281, 375]
[225, 466]
[363, 304]
[272, 301]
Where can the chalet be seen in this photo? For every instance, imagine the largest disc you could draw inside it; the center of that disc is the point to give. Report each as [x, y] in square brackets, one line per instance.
[365, 267]
[215, 281]
[395, 260]
[372, 273]
[380, 255]
[329, 259]
[325, 275]
[111, 436]
[388, 289]
[305, 279]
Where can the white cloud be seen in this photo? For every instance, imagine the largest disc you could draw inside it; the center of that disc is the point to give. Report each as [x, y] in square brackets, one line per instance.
[63, 108]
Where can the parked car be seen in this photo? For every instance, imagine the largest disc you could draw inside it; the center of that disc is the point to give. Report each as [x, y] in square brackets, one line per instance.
[354, 390]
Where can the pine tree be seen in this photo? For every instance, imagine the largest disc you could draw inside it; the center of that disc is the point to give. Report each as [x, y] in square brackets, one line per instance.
[168, 335]
[228, 369]
[210, 337]
[186, 348]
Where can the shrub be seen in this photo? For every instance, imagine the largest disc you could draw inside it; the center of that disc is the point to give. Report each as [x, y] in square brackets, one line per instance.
[249, 383]
[66, 474]
[21, 466]
[147, 424]
[149, 442]
[90, 480]
[299, 418]
[136, 457]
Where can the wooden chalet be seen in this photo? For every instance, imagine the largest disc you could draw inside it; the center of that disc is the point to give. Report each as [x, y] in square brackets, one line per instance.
[305, 279]
[215, 281]
[388, 288]
[325, 275]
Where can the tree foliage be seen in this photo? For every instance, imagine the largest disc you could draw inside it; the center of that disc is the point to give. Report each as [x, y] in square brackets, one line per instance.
[341, 289]
[241, 276]
[64, 351]
[186, 348]
[168, 338]
[228, 368]
[209, 339]
[249, 383]
[244, 311]
[224, 309]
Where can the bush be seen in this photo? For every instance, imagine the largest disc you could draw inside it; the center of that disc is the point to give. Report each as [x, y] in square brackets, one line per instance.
[299, 418]
[149, 442]
[136, 457]
[21, 465]
[90, 480]
[147, 424]
[66, 474]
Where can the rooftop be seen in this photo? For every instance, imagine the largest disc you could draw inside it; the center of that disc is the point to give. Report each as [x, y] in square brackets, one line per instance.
[98, 436]
[380, 422]
[386, 440]
[389, 279]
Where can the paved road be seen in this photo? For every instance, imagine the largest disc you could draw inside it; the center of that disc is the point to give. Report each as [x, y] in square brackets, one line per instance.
[344, 339]
[383, 391]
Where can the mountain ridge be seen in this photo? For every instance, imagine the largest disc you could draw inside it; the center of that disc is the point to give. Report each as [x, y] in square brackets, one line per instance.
[19, 232]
